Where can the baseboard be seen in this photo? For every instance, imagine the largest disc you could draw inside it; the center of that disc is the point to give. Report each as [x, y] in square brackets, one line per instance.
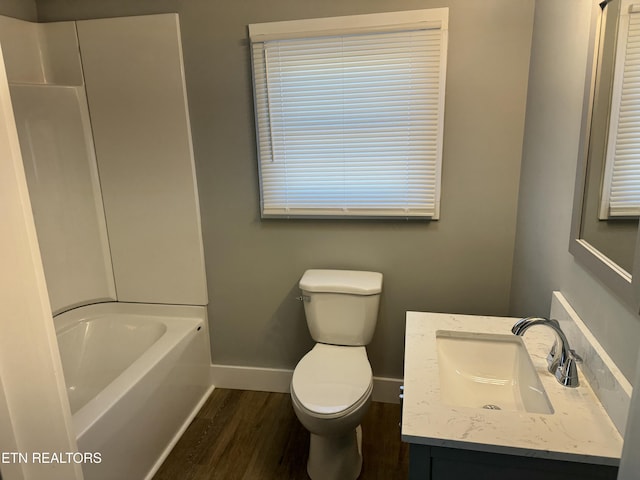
[386, 390]
[251, 378]
[235, 377]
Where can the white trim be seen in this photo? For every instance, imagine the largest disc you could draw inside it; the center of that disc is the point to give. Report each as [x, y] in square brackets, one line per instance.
[387, 389]
[626, 276]
[251, 378]
[277, 380]
[627, 209]
[604, 212]
[421, 19]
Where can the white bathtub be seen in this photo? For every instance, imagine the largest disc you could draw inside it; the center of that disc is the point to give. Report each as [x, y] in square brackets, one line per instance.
[136, 374]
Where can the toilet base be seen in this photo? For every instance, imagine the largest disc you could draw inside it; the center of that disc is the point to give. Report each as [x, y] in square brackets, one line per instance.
[335, 458]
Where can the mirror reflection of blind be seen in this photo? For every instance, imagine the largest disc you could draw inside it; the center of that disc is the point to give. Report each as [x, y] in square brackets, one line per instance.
[350, 124]
[621, 185]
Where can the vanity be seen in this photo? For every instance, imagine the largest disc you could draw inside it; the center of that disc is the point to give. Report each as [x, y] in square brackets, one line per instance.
[542, 428]
[480, 403]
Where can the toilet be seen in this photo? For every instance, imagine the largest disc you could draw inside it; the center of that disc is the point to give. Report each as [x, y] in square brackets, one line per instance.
[332, 384]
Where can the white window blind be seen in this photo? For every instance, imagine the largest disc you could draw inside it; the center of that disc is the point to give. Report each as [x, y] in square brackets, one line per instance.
[349, 120]
[621, 184]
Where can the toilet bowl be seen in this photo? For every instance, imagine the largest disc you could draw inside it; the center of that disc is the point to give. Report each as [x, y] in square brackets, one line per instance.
[332, 384]
[331, 392]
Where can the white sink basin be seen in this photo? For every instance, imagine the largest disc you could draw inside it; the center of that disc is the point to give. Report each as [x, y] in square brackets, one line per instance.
[490, 371]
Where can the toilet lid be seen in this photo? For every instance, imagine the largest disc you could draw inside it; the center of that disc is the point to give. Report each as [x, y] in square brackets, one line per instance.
[330, 379]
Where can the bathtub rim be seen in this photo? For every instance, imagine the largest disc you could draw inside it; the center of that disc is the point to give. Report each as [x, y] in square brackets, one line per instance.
[183, 323]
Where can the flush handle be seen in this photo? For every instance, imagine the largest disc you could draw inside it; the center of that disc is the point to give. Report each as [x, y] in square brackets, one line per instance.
[304, 298]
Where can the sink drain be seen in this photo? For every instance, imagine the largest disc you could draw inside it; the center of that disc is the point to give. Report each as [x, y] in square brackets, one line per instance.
[491, 407]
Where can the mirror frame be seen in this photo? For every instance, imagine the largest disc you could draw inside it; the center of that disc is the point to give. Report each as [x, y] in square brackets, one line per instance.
[624, 284]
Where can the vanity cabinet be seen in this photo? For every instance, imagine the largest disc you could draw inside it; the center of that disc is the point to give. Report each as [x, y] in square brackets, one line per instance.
[439, 463]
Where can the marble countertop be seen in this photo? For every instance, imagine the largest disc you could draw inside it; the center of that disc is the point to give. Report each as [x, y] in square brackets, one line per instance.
[579, 429]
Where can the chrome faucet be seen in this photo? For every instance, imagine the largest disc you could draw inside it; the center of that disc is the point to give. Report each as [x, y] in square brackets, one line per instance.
[561, 359]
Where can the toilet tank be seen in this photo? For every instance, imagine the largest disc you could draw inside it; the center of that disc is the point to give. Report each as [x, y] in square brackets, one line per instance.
[341, 306]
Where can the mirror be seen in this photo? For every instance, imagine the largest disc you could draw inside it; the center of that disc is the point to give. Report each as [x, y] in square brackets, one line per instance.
[607, 246]
[615, 238]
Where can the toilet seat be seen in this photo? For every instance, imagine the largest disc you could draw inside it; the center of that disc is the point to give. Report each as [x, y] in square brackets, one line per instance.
[332, 380]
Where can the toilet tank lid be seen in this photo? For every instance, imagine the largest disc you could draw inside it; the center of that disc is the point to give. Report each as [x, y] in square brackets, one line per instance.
[341, 281]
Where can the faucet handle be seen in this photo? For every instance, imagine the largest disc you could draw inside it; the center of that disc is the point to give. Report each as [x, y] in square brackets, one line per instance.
[575, 356]
[567, 374]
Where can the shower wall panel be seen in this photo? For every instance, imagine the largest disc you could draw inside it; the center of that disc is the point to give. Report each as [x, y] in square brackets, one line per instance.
[57, 150]
[137, 99]
[42, 54]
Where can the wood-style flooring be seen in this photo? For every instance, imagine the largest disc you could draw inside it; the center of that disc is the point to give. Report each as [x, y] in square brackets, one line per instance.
[249, 435]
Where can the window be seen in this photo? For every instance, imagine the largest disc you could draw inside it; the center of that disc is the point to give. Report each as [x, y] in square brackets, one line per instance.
[349, 114]
[621, 184]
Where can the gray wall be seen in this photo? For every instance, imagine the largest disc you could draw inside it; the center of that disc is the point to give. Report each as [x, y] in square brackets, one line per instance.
[461, 263]
[22, 9]
[542, 262]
